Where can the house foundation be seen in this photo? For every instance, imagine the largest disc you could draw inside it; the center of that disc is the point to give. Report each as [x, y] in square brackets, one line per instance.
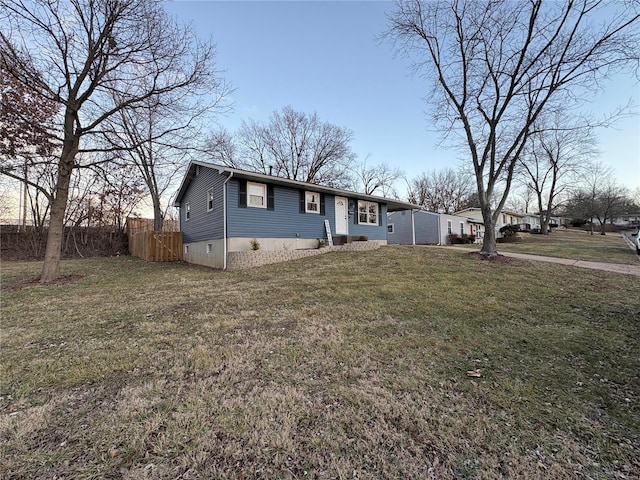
[256, 258]
[211, 254]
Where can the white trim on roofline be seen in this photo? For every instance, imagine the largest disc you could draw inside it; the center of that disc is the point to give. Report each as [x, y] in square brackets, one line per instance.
[392, 205]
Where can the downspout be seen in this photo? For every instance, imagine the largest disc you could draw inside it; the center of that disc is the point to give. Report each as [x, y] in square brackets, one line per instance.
[439, 230]
[224, 222]
[413, 227]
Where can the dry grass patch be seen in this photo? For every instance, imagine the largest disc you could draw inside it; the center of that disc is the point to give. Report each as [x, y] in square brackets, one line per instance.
[575, 244]
[348, 365]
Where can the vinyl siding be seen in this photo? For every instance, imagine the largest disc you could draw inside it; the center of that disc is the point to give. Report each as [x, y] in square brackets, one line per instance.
[203, 225]
[373, 232]
[286, 221]
[426, 226]
[401, 228]
[455, 226]
[283, 221]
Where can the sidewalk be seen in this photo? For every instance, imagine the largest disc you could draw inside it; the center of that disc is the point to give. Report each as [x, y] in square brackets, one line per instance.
[608, 267]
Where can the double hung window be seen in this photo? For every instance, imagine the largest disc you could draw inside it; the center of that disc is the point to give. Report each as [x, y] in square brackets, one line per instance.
[257, 195]
[312, 202]
[367, 213]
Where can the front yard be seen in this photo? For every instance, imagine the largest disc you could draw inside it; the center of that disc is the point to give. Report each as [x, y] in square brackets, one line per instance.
[345, 365]
[576, 244]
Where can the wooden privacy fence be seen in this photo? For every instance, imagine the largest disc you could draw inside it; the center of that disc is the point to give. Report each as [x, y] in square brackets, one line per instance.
[156, 246]
[135, 225]
[153, 246]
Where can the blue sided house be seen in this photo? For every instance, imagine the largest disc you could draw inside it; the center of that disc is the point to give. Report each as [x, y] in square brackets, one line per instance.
[226, 210]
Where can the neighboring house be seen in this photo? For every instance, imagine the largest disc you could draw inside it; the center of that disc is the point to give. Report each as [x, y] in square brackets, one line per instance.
[510, 218]
[478, 228]
[225, 210]
[630, 220]
[505, 218]
[422, 227]
[530, 222]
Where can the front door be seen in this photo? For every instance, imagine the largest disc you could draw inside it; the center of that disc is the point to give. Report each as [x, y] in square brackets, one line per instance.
[342, 216]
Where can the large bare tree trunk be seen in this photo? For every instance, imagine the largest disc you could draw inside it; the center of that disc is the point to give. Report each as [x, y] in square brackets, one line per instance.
[53, 252]
[544, 216]
[489, 239]
[158, 218]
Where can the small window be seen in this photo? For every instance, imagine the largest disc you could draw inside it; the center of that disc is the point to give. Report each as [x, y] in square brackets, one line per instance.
[187, 211]
[312, 202]
[367, 213]
[209, 248]
[186, 249]
[210, 199]
[461, 228]
[390, 228]
[449, 227]
[257, 195]
[504, 219]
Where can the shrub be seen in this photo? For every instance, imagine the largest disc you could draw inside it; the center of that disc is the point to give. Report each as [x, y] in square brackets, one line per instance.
[463, 239]
[255, 245]
[510, 230]
[321, 242]
[578, 222]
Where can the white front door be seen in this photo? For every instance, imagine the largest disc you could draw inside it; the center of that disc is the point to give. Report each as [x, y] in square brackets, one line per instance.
[342, 216]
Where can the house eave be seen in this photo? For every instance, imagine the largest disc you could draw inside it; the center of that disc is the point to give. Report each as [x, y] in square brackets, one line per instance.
[392, 205]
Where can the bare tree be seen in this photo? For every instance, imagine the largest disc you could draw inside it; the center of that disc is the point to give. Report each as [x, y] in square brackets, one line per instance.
[520, 198]
[376, 178]
[612, 201]
[634, 197]
[221, 148]
[559, 148]
[598, 197]
[159, 135]
[119, 190]
[442, 191]
[292, 145]
[7, 202]
[496, 66]
[94, 58]
[103, 195]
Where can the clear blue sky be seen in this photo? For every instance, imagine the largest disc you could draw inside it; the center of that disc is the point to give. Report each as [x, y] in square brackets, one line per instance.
[326, 57]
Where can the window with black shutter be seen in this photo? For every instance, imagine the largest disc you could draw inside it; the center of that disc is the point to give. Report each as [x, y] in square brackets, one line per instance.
[270, 197]
[242, 193]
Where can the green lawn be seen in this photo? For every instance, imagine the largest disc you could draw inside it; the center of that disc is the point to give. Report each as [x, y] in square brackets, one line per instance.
[345, 365]
[576, 244]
